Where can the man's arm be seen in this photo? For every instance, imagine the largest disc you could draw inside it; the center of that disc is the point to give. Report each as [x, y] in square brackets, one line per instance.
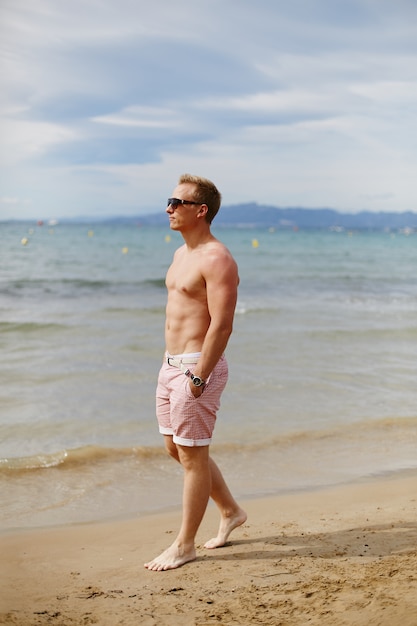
[221, 276]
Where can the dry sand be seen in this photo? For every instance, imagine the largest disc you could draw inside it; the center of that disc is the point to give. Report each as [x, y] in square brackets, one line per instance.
[341, 556]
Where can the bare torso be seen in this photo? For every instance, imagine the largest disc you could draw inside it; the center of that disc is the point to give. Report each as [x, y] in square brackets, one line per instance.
[190, 280]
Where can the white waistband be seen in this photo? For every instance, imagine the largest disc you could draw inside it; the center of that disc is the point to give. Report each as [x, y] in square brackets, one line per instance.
[177, 359]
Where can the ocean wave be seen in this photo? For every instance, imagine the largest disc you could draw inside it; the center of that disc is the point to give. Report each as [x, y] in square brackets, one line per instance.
[72, 287]
[404, 428]
[379, 430]
[85, 455]
[30, 327]
[155, 282]
[390, 332]
[133, 310]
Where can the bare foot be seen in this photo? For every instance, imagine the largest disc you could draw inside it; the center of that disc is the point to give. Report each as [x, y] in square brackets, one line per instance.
[171, 558]
[227, 524]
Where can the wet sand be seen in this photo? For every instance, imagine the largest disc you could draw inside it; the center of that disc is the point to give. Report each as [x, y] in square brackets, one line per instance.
[339, 556]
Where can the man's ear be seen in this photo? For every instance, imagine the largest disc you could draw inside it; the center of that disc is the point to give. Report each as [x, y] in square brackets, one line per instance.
[203, 210]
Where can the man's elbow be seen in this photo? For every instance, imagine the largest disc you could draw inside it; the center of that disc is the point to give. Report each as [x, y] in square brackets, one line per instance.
[225, 330]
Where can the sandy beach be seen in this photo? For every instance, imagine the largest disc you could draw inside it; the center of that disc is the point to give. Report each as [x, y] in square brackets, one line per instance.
[345, 555]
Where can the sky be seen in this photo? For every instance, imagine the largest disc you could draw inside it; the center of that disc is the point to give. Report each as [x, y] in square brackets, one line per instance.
[301, 103]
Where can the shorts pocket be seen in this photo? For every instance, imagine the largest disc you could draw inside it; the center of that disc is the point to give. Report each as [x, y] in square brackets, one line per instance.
[190, 393]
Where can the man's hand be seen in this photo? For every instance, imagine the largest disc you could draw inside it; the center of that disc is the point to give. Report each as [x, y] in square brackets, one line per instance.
[196, 391]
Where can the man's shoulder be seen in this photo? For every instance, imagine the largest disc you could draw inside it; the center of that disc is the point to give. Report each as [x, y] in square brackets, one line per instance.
[217, 259]
[216, 244]
[180, 250]
[216, 248]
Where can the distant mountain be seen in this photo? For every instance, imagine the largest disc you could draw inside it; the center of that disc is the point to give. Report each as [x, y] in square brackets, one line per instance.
[255, 215]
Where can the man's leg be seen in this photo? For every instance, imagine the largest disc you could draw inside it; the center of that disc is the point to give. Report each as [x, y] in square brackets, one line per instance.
[197, 487]
[231, 515]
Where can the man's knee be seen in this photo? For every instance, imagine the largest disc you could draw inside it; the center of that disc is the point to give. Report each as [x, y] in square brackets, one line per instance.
[192, 457]
[171, 448]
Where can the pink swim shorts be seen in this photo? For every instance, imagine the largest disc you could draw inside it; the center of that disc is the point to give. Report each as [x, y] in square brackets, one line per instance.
[188, 419]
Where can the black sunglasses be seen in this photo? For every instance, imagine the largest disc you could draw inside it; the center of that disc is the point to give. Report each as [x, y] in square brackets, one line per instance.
[174, 202]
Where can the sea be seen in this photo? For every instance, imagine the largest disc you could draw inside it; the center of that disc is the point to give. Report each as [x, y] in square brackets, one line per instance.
[322, 386]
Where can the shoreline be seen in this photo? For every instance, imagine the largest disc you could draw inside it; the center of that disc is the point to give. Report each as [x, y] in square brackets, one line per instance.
[241, 496]
[341, 555]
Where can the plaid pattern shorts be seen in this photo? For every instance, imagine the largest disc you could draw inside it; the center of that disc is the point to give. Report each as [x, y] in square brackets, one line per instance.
[188, 419]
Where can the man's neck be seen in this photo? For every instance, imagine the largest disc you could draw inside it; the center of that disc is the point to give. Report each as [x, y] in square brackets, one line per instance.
[195, 238]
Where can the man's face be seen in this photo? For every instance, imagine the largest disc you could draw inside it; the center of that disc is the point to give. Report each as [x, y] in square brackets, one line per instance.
[183, 216]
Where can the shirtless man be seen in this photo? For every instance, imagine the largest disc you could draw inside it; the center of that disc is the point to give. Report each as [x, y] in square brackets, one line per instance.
[202, 292]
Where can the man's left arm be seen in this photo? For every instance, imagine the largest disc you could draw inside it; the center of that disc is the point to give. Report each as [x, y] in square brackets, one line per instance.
[221, 276]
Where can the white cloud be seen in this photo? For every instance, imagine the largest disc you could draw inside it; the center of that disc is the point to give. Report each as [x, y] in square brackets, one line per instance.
[290, 103]
[12, 201]
[24, 139]
[141, 117]
[392, 92]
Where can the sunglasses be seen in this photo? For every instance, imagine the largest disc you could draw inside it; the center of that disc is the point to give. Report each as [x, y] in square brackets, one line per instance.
[175, 202]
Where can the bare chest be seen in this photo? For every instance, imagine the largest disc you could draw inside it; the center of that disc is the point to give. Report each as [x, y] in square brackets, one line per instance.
[184, 279]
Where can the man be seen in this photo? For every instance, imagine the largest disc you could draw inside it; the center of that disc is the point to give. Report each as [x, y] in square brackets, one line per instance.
[202, 287]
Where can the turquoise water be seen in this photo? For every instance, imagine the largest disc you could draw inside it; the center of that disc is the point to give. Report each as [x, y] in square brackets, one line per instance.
[323, 366]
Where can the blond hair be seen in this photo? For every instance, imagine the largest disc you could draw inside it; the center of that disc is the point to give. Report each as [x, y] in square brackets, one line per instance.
[205, 192]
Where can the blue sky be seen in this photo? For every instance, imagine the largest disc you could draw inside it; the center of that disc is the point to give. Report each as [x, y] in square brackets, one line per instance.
[304, 103]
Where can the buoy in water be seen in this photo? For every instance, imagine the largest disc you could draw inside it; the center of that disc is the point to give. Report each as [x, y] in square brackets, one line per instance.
[24, 241]
[167, 238]
[255, 243]
[125, 250]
